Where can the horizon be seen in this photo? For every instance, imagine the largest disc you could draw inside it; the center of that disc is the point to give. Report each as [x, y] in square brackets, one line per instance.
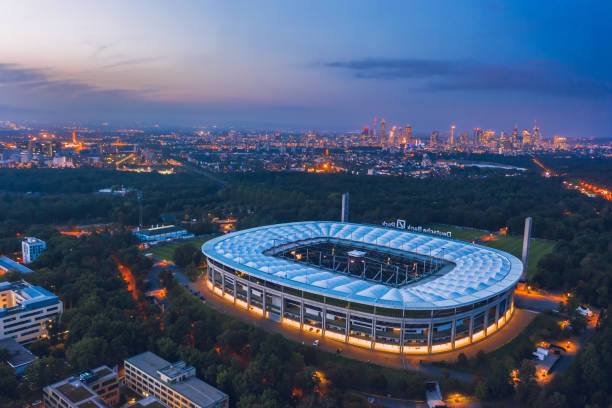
[303, 66]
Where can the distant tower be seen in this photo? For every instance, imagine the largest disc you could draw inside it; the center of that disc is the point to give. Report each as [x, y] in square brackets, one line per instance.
[383, 129]
[345, 207]
[433, 138]
[452, 137]
[477, 136]
[526, 239]
[537, 137]
[408, 134]
[374, 129]
[73, 137]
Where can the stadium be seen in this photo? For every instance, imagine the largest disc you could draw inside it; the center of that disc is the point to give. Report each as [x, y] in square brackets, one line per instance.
[372, 286]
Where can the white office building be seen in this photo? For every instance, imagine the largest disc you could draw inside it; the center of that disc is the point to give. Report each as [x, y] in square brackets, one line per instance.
[173, 384]
[25, 311]
[32, 247]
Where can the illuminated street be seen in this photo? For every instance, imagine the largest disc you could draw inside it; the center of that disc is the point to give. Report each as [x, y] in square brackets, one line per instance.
[518, 322]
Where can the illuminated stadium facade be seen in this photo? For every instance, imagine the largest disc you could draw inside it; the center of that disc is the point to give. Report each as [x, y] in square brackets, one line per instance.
[376, 287]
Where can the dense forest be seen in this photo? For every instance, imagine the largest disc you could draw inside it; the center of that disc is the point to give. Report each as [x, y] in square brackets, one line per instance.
[581, 226]
[104, 323]
[234, 356]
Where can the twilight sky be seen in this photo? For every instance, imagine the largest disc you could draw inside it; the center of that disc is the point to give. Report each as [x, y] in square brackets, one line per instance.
[313, 64]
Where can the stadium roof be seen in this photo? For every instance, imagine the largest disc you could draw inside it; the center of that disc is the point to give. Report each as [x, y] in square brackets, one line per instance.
[478, 272]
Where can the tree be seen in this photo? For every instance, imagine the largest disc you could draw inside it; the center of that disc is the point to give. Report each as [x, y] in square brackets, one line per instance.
[183, 254]
[8, 382]
[498, 383]
[44, 371]
[462, 360]
[481, 390]
[87, 353]
[527, 389]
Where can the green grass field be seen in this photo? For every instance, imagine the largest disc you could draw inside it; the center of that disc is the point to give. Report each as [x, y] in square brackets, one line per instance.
[462, 234]
[167, 251]
[508, 243]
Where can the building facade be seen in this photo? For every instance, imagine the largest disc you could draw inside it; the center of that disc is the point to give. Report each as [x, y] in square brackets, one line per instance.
[161, 233]
[92, 389]
[26, 310]
[469, 296]
[32, 247]
[176, 385]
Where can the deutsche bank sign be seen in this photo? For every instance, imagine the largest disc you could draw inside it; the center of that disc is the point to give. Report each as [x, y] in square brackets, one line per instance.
[401, 224]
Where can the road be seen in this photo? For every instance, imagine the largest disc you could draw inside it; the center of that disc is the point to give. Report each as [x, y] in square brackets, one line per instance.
[420, 364]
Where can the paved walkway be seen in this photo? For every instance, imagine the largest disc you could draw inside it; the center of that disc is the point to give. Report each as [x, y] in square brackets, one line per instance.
[417, 363]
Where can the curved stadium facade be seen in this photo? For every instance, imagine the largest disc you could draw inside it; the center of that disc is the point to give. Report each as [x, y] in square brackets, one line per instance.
[375, 287]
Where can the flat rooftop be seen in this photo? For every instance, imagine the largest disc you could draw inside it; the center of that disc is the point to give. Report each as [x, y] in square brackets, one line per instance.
[166, 229]
[78, 392]
[192, 388]
[19, 355]
[75, 392]
[8, 264]
[148, 402]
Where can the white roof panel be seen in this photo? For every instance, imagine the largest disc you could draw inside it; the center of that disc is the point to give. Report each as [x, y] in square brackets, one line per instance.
[478, 272]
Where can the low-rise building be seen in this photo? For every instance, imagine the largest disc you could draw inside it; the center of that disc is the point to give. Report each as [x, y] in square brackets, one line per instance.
[176, 385]
[7, 264]
[26, 310]
[18, 357]
[147, 402]
[97, 388]
[32, 247]
[161, 233]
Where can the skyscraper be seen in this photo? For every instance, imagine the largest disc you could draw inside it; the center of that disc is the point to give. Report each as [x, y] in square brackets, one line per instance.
[408, 134]
[452, 136]
[477, 136]
[536, 135]
[383, 130]
[433, 138]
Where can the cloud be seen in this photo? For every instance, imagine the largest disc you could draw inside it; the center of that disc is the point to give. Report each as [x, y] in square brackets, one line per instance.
[12, 74]
[438, 75]
[387, 68]
[131, 61]
[28, 88]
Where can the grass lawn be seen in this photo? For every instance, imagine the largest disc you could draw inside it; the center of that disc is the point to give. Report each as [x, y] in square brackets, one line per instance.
[167, 251]
[510, 244]
[514, 245]
[463, 234]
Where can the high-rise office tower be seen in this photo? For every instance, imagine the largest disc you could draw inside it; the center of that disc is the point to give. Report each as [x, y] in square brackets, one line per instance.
[383, 129]
[514, 137]
[393, 136]
[73, 137]
[408, 134]
[433, 138]
[374, 129]
[451, 141]
[477, 136]
[536, 135]
[527, 140]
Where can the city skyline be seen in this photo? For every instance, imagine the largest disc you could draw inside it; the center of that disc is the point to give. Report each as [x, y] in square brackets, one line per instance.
[330, 66]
